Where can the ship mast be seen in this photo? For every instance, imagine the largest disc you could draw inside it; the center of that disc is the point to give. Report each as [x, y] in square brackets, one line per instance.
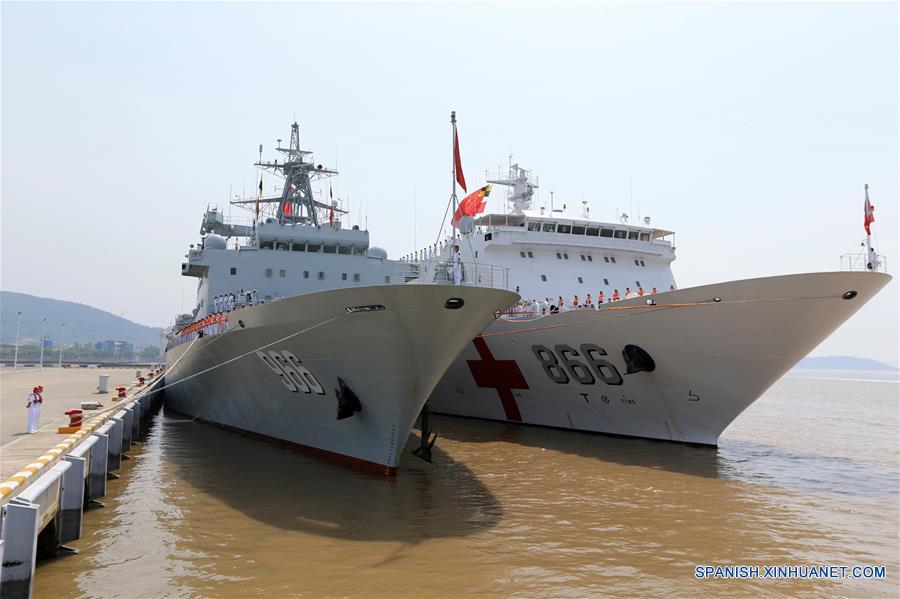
[453, 198]
[296, 204]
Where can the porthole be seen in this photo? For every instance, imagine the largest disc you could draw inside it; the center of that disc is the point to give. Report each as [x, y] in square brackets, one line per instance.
[454, 303]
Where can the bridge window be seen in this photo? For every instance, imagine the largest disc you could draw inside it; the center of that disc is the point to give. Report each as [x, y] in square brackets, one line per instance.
[321, 275]
[593, 231]
[356, 277]
[233, 270]
[522, 254]
[298, 247]
[558, 256]
[387, 280]
[632, 235]
[281, 273]
[534, 226]
[343, 276]
[563, 228]
[329, 249]
[606, 259]
[636, 263]
[268, 273]
[565, 256]
[642, 263]
[265, 245]
[580, 280]
[312, 248]
[305, 274]
[612, 259]
[343, 250]
[645, 236]
[577, 230]
[530, 255]
[590, 258]
[637, 284]
[544, 278]
[282, 246]
[606, 281]
[583, 259]
[620, 234]
[607, 233]
[549, 227]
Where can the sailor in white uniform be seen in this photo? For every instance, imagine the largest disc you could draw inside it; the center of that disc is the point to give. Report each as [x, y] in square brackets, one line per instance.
[457, 265]
[34, 408]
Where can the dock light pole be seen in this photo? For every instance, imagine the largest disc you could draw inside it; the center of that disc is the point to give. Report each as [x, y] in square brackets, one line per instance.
[43, 329]
[61, 346]
[16, 358]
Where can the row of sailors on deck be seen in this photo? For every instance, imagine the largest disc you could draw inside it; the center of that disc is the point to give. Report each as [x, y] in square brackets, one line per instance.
[432, 251]
[548, 305]
[229, 301]
[216, 323]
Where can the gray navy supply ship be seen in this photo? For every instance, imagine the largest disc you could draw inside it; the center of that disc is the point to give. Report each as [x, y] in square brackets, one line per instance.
[604, 342]
[305, 333]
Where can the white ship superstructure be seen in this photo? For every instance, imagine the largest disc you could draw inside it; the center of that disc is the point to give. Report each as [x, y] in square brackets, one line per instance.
[304, 333]
[604, 342]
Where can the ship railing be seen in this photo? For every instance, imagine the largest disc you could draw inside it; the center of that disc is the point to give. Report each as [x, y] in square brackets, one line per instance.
[860, 262]
[471, 274]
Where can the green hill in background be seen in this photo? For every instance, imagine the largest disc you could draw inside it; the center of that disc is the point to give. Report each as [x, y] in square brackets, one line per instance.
[83, 323]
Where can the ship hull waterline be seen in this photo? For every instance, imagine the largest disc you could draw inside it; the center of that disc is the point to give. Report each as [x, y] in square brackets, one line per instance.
[275, 372]
[710, 359]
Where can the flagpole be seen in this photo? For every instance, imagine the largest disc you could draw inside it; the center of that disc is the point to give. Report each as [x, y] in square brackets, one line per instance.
[868, 235]
[453, 159]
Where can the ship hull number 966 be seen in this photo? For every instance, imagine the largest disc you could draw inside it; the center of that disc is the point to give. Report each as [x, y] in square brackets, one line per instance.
[586, 365]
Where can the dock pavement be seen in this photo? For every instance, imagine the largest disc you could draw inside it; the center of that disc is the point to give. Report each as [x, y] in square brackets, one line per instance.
[64, 389]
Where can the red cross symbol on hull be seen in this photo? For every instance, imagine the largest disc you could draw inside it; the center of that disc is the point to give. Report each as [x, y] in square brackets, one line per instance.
[502, 375]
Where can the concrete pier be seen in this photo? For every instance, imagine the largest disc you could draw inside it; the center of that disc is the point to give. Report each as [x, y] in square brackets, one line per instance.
[48, 478]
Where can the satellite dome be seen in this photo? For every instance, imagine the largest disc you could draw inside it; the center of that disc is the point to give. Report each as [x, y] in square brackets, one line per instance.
[377, 252]
[214, 242]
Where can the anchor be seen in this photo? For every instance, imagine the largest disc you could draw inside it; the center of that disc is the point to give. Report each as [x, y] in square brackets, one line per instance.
[426, 442]
[348, 402]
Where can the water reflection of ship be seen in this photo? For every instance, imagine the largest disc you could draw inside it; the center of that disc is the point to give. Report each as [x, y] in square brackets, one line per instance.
[734, 459]
[291, 490]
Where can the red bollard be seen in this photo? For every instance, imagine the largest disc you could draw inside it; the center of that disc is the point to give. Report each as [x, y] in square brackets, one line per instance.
[121, 391]
[140, 381]
[75, 418]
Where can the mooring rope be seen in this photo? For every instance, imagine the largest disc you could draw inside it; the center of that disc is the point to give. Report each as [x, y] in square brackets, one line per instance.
[243, 355]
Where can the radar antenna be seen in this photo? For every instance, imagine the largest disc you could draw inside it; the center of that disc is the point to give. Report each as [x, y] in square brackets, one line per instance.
[522, 187]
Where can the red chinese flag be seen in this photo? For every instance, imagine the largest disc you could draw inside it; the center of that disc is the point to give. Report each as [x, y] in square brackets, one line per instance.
[460, 177]
[869, 216]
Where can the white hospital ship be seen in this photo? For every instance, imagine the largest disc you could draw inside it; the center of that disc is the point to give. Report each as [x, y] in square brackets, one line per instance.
[677, 365]
[318, 341]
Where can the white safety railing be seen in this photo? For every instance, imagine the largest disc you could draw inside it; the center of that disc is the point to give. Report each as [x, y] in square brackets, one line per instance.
[859, 261]
[471, 274]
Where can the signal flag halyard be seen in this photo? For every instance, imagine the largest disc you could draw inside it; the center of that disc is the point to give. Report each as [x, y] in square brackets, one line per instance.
[259, 197]
[473, 204]
[331, 210]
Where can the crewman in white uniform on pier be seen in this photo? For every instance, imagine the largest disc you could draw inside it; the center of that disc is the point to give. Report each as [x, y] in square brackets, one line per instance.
[34, 408]
[457, 265]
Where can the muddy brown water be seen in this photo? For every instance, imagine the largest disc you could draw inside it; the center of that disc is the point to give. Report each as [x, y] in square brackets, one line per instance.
[810, 474]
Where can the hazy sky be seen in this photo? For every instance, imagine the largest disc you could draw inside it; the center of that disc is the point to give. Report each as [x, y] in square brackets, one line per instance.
[747, 128]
